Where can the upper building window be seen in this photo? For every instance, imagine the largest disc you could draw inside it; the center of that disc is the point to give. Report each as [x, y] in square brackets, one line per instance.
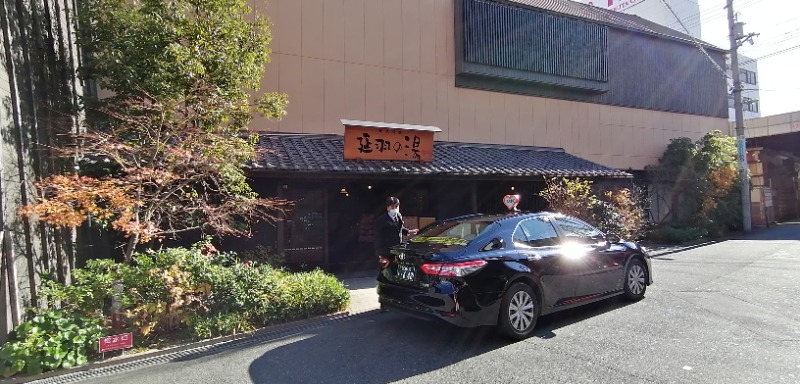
[747, 76]
[749, 104]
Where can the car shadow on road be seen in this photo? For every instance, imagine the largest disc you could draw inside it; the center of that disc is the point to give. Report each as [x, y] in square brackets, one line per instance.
[547, 326]
[659, 251]
[386, 347]
[378, 348]
[779, 231]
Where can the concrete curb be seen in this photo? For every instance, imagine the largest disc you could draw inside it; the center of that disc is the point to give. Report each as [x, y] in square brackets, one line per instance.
[191, 350]
[656, 250]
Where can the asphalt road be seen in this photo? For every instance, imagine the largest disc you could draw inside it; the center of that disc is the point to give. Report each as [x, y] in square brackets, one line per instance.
[720, 313]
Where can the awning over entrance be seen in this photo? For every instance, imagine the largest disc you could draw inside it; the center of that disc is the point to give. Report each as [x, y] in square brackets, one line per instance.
[299, 153]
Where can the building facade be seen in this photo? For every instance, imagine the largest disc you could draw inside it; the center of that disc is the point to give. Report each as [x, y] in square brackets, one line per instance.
[773, 156]
[519, 91]
[688, 11]
[396, 61]
[39, 90]
[748, 76]
[687, 15]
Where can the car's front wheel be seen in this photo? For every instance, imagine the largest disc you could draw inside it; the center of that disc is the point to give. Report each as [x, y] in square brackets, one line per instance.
[635, 280]
[518, 312]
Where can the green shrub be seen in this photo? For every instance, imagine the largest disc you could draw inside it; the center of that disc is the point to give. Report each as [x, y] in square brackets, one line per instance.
[91, 290]
[306, 294]
[217, 324]
[618, 211]
[676, 235]
[262, 255]
[209, 293]
[572, 197]
[48, 341]
[699, 182]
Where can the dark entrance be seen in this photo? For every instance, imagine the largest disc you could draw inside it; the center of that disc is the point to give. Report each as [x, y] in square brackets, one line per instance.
[304, 229]
[352, 208]
[330, 225]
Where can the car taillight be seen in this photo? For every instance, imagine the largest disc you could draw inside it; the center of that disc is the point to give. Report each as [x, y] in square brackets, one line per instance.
[453, 269]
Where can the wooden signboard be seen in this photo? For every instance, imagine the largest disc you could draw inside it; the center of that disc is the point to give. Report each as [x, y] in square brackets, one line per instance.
[364, 140]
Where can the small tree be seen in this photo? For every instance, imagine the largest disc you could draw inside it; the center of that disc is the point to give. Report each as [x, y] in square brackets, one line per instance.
[165, 153]
[701, 181]
[621, 211]
[612, 211]
[674, 176]
[720, 205]
[571, 197]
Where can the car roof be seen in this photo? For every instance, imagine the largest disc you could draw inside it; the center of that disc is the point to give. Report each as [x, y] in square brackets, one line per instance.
[510, 216]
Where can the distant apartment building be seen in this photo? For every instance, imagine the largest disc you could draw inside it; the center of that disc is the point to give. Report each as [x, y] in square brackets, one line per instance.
[688, 11]
[748, 75]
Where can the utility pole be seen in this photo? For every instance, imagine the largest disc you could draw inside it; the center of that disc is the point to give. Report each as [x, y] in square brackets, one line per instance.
[737, 37]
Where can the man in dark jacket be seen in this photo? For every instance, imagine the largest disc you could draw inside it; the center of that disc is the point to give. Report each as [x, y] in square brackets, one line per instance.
[389, 230]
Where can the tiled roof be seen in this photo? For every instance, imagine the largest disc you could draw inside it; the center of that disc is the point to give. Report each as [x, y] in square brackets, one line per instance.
[609, 17]
[298, 153]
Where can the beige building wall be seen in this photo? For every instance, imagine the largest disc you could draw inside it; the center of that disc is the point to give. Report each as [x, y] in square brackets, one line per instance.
[769, 125]
[394, 61]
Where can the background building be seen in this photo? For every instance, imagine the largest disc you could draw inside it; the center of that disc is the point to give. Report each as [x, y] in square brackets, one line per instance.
[654, 10]
[748, 75]
[773, 156]
[687, 14]
[38, 91]
[519, 90]
[390, 61]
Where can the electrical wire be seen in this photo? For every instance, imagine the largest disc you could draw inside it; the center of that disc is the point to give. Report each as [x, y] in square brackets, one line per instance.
[781, 40]
[773, 54]
[696, 42]
[703, 17]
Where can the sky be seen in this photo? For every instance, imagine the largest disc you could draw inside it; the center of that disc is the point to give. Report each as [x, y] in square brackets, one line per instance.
[777, 47]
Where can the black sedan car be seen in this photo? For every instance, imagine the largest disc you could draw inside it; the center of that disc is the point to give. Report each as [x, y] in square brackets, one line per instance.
[507, 270]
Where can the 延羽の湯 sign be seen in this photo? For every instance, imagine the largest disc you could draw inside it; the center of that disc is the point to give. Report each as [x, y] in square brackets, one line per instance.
[381, 141]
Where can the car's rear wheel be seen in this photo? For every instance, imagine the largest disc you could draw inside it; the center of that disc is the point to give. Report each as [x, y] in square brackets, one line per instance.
[635, 280]
[518, 312]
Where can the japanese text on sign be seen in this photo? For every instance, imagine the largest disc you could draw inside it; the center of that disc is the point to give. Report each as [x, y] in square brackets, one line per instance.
[408, 143]
[368, 143]
[115, 342]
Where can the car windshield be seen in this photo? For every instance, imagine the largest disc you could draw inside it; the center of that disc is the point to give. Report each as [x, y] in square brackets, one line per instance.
[461, 231]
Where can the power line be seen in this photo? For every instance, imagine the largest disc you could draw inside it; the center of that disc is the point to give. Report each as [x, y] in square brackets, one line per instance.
[772, 90]
[644, 5]
[696, 43]
[703, 17]
[772, 54]
[793, 35]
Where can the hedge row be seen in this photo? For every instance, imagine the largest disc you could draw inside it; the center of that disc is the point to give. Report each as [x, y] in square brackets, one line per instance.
[189, 290]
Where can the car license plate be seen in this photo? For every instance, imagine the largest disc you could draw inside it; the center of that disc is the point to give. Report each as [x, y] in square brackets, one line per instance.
[406, 272]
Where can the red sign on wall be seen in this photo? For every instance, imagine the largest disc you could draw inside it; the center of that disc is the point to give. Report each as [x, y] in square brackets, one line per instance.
[115, 342]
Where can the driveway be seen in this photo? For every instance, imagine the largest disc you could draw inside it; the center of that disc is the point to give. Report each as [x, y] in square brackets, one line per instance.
[725, 312]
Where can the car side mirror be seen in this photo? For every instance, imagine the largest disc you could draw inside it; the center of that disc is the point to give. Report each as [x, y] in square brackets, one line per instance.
[613, 238]
[496, 243]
